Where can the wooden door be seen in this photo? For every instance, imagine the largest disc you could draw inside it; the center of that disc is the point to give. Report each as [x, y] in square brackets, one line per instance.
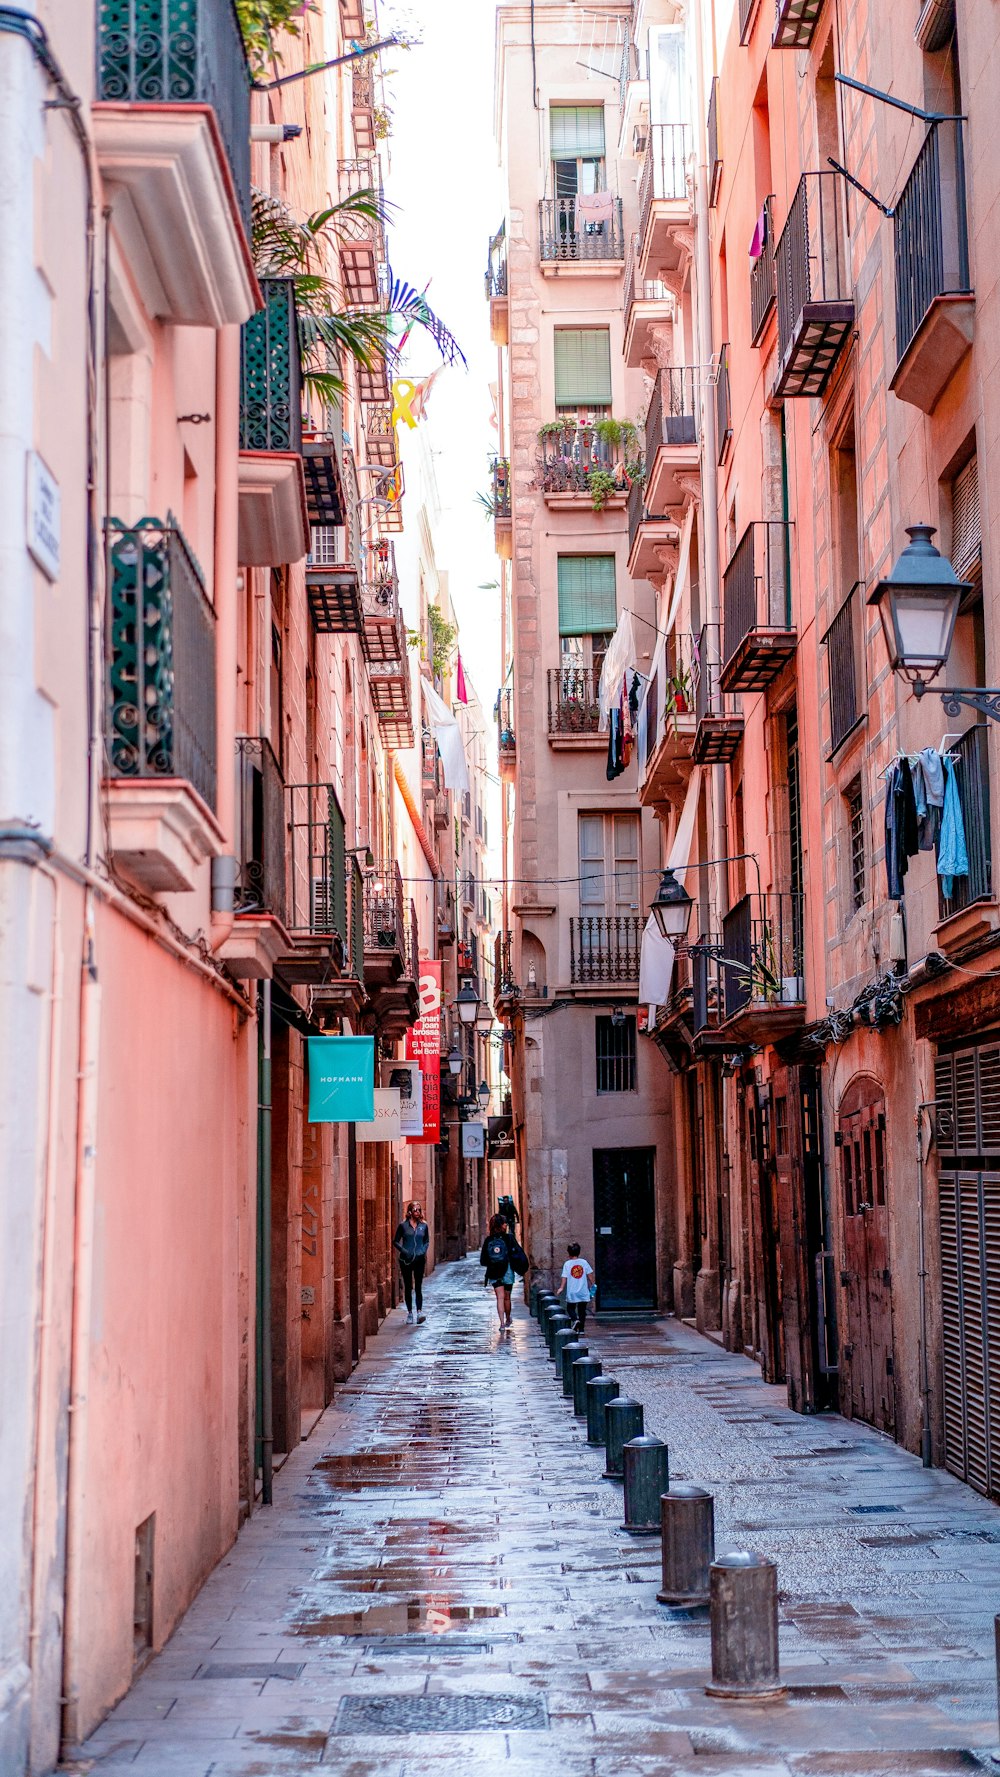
[799, 1171]
[624, 1229]
[772, 1342]
[867, 1386]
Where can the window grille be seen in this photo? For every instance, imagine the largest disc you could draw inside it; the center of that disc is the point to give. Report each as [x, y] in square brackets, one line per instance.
[615, 1048]
[856, 841]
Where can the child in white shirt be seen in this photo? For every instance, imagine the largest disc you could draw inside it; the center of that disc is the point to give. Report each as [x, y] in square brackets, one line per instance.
[577, 1281]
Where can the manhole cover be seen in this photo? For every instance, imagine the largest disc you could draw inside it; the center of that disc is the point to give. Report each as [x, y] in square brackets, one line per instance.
[873, 1511]
[438, 1715]
[252, 1669]
[445, 1646]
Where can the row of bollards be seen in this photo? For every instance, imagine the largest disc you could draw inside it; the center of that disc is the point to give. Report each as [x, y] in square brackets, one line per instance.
[740, 1587]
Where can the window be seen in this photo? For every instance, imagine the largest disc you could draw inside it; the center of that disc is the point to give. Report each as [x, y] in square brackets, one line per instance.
[841, 671]
[587, 601]
[582, 360]
[781, 1126]
[854, 806]
[966, 524]
[615, 1050]
[576, 141]
[609, 863]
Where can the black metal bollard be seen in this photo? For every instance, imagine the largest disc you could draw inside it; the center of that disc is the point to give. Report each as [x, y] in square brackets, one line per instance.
[545, 1313]
[599, 1392]
[570, 1352]
[687, 1526]
[744, 1615]
[623, 1420]
[584, 1370]
[533, 1300]
[562, 1336]
[544, 1300]
[646, 1467]
[557, 1323]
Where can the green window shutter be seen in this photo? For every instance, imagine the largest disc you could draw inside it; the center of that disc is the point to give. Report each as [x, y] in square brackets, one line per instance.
[587, 603]
[582, 366]
[576, 130]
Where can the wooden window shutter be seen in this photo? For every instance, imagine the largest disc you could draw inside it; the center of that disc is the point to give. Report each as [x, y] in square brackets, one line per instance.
[966, 524]
[582, 366]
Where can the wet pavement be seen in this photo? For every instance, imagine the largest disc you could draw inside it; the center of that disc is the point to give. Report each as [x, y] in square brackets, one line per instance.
[442, 1585]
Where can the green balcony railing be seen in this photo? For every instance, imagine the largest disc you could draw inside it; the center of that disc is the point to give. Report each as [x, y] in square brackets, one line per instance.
[270, 372]
[177, 52]
[160, 655]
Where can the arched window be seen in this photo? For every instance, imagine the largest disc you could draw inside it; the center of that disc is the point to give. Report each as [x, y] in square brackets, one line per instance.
[861, 1139]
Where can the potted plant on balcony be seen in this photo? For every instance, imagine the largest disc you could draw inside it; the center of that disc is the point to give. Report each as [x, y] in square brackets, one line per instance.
[602, 486]
[677, 695]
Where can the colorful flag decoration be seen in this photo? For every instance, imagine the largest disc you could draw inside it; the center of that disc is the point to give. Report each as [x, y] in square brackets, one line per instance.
[461, 695]
[407, 302]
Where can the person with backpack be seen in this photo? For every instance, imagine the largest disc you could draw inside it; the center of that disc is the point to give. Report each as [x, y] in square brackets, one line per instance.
[500, 1250]
[411, 1240]
[579, 1283]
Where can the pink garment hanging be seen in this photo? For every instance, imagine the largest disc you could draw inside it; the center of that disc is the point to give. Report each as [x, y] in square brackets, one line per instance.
[595, 206]
[758, 240]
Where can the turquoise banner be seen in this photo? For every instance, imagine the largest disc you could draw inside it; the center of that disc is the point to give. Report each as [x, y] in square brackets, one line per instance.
[341, 1079]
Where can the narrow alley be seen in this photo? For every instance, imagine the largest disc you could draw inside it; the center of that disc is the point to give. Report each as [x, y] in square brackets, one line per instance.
[443, 1584]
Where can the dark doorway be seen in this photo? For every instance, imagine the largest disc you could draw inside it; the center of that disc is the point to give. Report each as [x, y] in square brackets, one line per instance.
[798, 1165]
[867, 1388]
[624, 1229]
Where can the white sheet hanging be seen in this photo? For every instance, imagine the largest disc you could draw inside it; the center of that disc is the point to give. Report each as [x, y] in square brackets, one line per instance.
[619, 657]
[448, 737]
[656, 955]
[683, 558]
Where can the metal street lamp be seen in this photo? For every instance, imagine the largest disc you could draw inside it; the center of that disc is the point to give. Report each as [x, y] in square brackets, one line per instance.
[467, 1003]
[671, 908]
[918, 605]
[485, 1093]
[484, 1019]
[455, 1062]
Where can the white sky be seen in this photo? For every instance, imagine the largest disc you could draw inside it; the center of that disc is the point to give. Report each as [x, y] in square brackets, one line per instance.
[444, 180]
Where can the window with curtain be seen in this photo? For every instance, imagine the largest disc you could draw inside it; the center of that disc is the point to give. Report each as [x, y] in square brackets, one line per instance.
[576, 144]
[582, 362]
[587, 601]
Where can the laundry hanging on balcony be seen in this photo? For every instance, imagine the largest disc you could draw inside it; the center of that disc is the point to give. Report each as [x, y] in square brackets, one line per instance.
[758, 240]
[595, 207]
[902, 837]
[448, 737]
[620, 656]
[953, 855]
[656, 953]
[928, 793]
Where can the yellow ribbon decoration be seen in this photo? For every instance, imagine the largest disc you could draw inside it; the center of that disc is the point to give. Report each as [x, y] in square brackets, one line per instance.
[403, 393]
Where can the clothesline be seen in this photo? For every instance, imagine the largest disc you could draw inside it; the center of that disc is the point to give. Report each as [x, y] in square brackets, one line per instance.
[923, 812]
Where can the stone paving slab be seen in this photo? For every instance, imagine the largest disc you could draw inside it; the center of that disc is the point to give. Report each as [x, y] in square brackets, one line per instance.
[446, 1534]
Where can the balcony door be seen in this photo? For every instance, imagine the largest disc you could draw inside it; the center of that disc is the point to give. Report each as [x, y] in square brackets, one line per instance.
[609, 865]
[576, 143]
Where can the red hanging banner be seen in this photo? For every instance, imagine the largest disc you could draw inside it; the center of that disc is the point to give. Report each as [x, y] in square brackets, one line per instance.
[423, 1044]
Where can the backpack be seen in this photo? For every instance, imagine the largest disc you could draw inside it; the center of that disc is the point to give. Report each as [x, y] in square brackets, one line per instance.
[497, 1255]
[519, 1261]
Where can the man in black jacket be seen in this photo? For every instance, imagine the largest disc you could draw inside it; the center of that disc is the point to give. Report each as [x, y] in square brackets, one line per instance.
[411, 1240]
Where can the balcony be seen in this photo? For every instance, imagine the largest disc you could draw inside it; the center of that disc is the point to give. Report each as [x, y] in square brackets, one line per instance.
[583, 465]
[935, 305]
[604, 949]
[672, 438]
[380, 434]
[664, 201]
[667, 722]
[444, 912]
[333, 584]
[815, 301]
[573, 707]
[763, 990]
[467, 956]
[259, 937]
[496, 287]
[573, 235]
[503, 531]
[748, 12]
[758, 638]
[718, 716]
[362, 238]
[763, 289]
[842, 653]
[316, 906]
[171, 128]
[362, 78]
[972, 896]
[383, 637]
[649, 304]
[160, 733]
[392, 967]
[506, 743]
[331, 481]
[652, 536]
[506, 988]
[723, 404]
[795, 22]
[442, 811]
[273, 521]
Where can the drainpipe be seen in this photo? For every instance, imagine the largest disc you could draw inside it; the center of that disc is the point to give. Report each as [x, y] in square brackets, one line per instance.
[227, 431]
[74, 1629]
[925, 1371]
[265, 1371]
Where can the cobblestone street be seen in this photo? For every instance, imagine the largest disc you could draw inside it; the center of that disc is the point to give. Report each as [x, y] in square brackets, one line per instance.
[444, 1552]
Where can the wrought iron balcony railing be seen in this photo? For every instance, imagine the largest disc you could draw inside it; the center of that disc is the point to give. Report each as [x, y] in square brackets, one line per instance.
[385, 924]
[630, 66]
[841, 641]
[500, 473]
[672, 415]
[714, 151]
[317, 862]
[270, 372]
[567, 232]
[762, 284]
[176, 52]
[718, 714]
[762, 944]
[641, 289]
[260, 829]
[931, 231]
[496, 264]
[972, 776]
[723, 403]
[573, 705]
[505, 720]
[748, 9]
[160, 653]
[411, 957]
[664, 168]
[604, 947]
[758, 637]
[815, 300]
[503, 966]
